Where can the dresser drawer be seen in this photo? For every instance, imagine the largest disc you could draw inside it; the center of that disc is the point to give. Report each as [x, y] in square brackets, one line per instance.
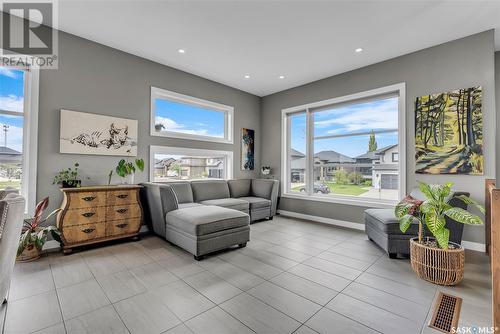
[82, 233]
[84, 216]
[86, 199]
[124, 226]
[117, 212]
[120, 197]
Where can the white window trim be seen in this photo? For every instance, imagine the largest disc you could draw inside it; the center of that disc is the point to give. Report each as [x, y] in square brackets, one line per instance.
[30, 134]
[228, 171]
[400, 89]
[173, 96]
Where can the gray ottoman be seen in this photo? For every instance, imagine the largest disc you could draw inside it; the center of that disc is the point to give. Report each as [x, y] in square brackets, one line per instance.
[382, 228]
[205, 229]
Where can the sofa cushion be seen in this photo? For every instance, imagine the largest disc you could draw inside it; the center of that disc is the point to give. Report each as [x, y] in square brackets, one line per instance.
[182, 191]
[230, 203]
[212, 189]
[189, 205]
[385, 221]
[257, 202]
[208, 219]
[262, 188]
[240, 188]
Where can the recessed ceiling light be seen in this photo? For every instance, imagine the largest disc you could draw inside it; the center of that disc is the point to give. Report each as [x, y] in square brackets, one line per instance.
[181, 51]
[247, 76]
[358, 50]
[282, 77]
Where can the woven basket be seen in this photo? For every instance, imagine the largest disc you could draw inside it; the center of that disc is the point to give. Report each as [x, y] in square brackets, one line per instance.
[30, 253]
[436, 265]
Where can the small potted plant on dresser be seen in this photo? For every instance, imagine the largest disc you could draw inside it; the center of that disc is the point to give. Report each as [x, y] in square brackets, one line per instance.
[126, 170]
[68, 178]
[437, 259]
[34, 236]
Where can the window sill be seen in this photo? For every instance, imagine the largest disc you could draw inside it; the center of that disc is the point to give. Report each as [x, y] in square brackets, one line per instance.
[363, 202]
[178, 135]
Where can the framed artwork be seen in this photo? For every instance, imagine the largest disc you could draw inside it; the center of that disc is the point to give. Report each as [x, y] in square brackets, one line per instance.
[449, 133]
[247, 149]
[85, 133]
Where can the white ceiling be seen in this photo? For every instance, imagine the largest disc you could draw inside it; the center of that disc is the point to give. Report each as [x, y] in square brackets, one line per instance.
[302, 40]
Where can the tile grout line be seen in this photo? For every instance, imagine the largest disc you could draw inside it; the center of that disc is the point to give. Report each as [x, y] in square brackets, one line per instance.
[57, 296]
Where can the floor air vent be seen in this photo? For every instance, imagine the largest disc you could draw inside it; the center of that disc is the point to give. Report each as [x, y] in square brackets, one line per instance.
[446, 313]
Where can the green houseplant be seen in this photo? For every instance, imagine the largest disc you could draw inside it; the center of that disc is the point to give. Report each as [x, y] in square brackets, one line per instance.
[126, 169]
[68, 178]
[34, 236]
[436, 259]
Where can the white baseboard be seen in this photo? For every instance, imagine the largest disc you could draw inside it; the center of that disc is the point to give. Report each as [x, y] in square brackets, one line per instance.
[475, 246]
[330, 221]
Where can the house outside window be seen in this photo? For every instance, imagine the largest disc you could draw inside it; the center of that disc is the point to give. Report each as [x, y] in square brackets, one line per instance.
[181, 164]
[346, 149]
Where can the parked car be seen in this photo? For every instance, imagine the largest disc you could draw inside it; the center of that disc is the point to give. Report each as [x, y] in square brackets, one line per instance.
[319, 188]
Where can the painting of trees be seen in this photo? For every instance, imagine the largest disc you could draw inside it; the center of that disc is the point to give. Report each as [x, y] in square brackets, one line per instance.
[449, 132]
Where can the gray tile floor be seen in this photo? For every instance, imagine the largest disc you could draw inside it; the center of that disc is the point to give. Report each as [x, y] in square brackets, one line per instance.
[294, 277]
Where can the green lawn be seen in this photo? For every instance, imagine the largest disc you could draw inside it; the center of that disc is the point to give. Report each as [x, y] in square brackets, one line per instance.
[346, 189]
[12, 183]
[342, 189]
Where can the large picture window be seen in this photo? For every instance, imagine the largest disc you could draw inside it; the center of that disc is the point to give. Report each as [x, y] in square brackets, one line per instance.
[181, 116]
[346, 149]
[18, 130]
[178, 163]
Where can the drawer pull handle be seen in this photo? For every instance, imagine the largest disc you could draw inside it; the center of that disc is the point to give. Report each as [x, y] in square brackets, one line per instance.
[121, 210]
[88, 214]
[122, 196]
[121, 225]
[88, 230]
[89, 198]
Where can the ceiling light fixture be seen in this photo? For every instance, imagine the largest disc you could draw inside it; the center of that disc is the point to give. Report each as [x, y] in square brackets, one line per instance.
[247, 76]
[181, 51]
[358, 50]
[282, 77]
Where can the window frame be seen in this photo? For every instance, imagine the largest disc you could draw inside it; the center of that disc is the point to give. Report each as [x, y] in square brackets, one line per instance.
[194, 101]
[397, 89]
[30, 133]
[176, 150]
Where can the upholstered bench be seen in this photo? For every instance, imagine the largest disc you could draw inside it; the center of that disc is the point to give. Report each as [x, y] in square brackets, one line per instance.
[382, 227]
[204, 229]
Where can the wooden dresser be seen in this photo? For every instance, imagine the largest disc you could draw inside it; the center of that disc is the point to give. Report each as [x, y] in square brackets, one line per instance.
[95, 214]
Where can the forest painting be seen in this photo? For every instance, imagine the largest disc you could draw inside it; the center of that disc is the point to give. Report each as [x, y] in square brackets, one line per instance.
[449, 133]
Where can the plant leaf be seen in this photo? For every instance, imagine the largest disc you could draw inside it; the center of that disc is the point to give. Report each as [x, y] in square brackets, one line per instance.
[463, 216]
[426, 190]
[405, 222]
[434, 222]
[140, 164]
[402, 209]
[468, 200]
[443, 237]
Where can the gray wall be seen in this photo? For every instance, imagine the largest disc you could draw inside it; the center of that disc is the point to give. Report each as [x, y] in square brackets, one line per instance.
[458, 64]
[98, 79]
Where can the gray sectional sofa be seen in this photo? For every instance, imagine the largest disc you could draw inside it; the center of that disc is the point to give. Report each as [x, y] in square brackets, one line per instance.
[208, 215]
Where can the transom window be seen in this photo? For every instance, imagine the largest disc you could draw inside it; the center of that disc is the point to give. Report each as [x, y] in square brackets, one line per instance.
[181, 116]
[178, 163]
[346, 149]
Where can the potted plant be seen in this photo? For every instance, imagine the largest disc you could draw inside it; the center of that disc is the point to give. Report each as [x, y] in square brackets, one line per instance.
[126, 169]
[436, 259]
[33, 235]
[68, 178]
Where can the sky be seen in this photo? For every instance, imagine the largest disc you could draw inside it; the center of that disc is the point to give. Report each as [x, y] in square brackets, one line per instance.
[179, 117]
[378, 115]
[11, 99]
